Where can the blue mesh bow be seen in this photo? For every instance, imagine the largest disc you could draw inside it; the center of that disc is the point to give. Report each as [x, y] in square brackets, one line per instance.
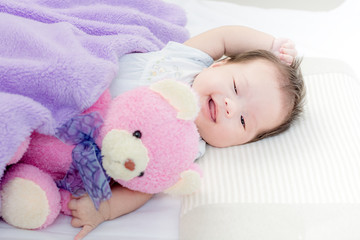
[86, 173]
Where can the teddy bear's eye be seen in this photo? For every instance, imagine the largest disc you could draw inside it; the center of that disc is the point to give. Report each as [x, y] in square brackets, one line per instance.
[137, 134]
[141, 174]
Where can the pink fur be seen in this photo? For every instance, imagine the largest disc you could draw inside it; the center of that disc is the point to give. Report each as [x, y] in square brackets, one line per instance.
[171, 143]
[49, 154]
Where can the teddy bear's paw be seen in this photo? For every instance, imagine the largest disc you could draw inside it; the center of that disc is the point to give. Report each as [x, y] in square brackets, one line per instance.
[24, 204]
[189, 183]
[30, 197]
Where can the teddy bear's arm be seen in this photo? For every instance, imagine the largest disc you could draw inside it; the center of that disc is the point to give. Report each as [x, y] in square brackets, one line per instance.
[190, 181]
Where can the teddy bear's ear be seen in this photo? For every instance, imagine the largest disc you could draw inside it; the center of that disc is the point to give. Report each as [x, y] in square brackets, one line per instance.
[180, 96]
[189, 183]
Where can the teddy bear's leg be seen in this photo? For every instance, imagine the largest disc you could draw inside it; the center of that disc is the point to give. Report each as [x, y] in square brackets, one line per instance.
[30, 197]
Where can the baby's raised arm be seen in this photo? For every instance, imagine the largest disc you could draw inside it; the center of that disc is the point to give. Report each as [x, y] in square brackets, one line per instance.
[232, 40]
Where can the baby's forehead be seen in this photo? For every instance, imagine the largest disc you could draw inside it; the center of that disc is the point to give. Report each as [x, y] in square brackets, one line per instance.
[258, 61]
[260, 65]
[280, 69]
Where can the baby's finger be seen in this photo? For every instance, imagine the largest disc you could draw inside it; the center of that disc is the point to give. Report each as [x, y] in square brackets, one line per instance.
[287, 59]
[288, 44]
[84, 231]
[289, 51]
[75, 214]
[76, 222]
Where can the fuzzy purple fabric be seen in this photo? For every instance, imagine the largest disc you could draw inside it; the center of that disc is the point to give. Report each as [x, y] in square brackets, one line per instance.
[58, 56]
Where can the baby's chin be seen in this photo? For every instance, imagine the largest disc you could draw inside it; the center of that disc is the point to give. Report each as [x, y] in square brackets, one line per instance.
[213, 140]
[216, 140]
[218, 144]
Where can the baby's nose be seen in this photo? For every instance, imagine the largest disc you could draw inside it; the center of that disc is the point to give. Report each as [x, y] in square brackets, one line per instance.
[230, 107]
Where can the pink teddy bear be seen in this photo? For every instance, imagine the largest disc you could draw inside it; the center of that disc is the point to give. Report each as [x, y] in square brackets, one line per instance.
[148, 143]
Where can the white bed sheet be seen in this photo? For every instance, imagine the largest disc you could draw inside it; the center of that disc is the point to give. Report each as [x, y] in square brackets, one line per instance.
[332, 34]
[156, 220]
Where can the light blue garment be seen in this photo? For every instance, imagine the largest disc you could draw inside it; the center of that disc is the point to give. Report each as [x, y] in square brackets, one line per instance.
[175, 60]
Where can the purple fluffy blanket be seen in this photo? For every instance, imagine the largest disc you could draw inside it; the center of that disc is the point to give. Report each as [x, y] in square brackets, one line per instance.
[58, 56]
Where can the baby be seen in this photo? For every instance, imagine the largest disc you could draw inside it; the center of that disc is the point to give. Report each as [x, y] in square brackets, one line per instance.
[249, 86]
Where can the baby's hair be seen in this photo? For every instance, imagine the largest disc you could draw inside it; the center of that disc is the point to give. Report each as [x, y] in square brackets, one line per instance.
[291, 81]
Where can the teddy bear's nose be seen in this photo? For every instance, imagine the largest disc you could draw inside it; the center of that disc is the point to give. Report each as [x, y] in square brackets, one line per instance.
[130, 165]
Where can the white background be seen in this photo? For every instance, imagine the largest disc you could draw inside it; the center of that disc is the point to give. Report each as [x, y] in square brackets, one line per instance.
[331, 34]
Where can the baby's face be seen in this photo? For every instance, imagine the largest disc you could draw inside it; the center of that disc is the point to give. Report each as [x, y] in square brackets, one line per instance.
[238, 101]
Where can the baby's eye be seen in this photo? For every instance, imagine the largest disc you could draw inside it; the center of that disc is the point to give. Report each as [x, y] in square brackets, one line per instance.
[242, 121]
[235, 89]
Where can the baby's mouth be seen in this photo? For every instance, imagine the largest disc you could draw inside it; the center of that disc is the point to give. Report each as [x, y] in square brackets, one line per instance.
[212, 109]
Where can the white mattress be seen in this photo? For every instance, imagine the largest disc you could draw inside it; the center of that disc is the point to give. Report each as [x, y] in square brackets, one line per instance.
[320, 34]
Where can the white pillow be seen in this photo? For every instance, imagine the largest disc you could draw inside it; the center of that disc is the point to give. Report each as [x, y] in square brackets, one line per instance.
[302, 184]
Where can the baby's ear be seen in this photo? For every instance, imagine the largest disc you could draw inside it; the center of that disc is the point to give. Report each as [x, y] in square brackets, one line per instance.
[219, 63]
[180, 96]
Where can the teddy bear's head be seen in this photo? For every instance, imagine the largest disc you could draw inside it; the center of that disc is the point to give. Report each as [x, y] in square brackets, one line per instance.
[149, 139]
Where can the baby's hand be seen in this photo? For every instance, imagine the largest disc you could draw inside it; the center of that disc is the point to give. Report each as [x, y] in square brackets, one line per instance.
[284, 49]
[85, 215]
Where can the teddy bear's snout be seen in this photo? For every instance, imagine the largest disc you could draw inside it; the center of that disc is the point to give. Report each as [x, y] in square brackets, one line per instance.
[129, 165]
[124, 155]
